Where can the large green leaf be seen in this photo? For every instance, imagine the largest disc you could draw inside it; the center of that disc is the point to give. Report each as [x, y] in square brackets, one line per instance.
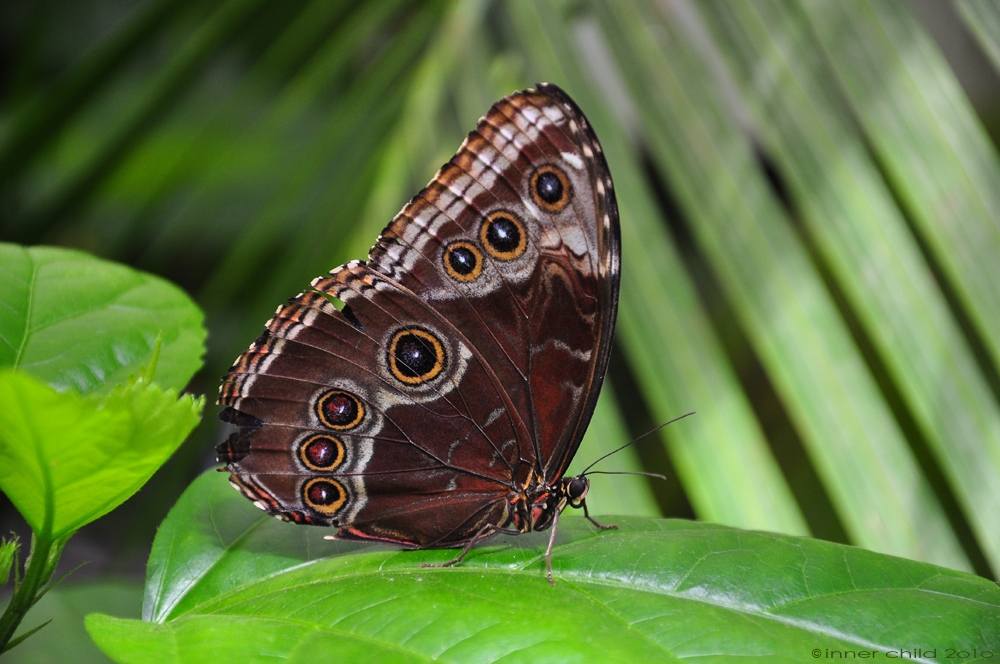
[227, 582]
[79, 322]
[66, 459]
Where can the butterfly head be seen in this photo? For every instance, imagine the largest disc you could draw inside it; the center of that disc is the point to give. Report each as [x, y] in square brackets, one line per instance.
[536, 510]
[575, 489]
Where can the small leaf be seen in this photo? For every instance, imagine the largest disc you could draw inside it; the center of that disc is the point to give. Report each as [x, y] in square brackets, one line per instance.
[65, 639]
[16, 641]
[80, 322]
[227, 582]
[8, 549]
[66, 460]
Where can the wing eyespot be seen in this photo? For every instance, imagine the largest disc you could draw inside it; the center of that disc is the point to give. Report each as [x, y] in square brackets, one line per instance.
[415, 356]
[550, 188]
[503, 236]
[340, 410]
[322, 452]
[324, 495]
[463, 261]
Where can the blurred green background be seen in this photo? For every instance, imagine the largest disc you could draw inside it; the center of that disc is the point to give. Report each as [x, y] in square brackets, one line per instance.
[810, 201]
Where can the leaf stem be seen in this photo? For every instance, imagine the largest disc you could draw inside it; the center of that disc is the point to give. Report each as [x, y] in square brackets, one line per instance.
[38, 568]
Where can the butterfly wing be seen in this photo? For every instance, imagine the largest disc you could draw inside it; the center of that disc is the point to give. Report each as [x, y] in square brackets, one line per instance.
[543, 310]
[468, 358]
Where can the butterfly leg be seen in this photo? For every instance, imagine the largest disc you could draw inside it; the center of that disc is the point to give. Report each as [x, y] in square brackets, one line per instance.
[548, 550]
[486, 532]
[586, 513]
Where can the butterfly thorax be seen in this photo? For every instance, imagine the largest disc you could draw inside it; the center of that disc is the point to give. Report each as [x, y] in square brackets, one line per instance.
[536, 507]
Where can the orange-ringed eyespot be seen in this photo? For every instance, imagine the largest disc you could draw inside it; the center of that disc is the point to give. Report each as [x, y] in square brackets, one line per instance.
[463, 261]
[503, 235]
[324, 495]
[322, 452]
[415, 356]
[340, 410]
[550, 188]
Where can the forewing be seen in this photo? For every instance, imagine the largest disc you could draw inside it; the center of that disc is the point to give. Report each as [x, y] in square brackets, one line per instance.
[542, 314]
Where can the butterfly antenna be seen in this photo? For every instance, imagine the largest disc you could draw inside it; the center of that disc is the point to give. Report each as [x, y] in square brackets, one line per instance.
[628, 472]
[632, 442]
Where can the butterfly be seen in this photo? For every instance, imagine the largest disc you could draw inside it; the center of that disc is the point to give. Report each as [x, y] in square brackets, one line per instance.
[434, 395]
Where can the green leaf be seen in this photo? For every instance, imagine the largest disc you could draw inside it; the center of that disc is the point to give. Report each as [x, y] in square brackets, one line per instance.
[214, 540]
[79, 322]
[164, 90]
[937, 156]
[869, 249]
[777, 292]
[227, 582]
[66, 460]
[982, 19]
[926, 136]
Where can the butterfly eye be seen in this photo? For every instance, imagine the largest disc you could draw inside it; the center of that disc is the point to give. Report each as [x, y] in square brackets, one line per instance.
[324, 495]
[321, 452]
[503, 236]
[463, 261]
[415, 356]
[340, 410]
[550, 188]
[577, 489]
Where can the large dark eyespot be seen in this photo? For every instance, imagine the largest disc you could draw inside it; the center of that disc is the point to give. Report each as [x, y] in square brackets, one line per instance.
[322, 452]
[463, 261]
[503, 235]
[415, 356]
[340, 410]
[550, 188]
[324, 495]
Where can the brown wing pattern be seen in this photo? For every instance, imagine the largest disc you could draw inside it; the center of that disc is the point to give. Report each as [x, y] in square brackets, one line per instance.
[468, 355]
[317, 397]
[546, 317]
